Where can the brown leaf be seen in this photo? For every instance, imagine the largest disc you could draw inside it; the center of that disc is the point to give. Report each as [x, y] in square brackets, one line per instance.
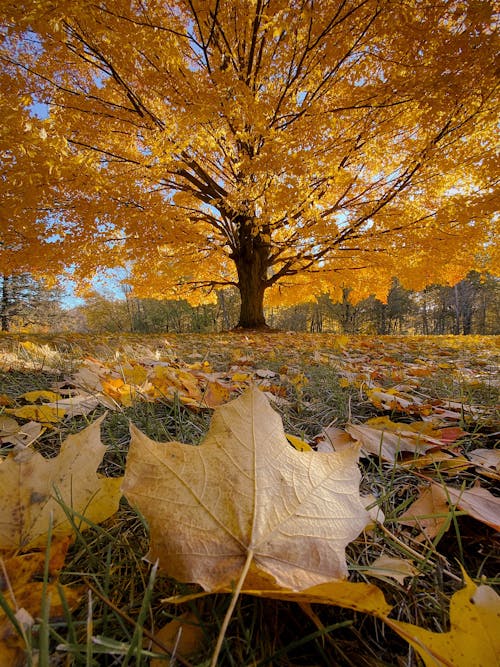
[244, 491]
[479, 503]
[429, 512]
[182, 635]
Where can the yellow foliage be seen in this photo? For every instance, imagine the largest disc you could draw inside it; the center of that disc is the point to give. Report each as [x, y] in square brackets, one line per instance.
[335, 172]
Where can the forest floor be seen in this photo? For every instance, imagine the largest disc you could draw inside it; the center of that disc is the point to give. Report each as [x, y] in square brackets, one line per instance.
[422, 410]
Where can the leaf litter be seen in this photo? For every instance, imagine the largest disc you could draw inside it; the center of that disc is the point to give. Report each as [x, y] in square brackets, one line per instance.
[414, 427]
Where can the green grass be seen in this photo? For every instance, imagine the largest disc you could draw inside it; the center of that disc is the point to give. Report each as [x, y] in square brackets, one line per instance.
[122, 603]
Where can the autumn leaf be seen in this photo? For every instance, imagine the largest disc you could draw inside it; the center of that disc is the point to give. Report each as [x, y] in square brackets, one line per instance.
[23, 591]
[17, 435]
[183, 635]
[429, 513]
[29, 484]
[362, 597]
[473, 639]
[41, 394]
[395, 568]
[245, 493]
[478, 502]
[39, 413]
[385, 443]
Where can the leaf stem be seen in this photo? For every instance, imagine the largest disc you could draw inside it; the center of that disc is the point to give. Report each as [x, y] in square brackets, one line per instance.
[229, 612]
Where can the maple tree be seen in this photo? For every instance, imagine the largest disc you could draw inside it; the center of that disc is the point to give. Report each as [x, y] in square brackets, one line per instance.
[281, 147]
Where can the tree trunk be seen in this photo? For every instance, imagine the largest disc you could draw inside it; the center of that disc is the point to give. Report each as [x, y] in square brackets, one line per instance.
[252, 263]
[4, 304]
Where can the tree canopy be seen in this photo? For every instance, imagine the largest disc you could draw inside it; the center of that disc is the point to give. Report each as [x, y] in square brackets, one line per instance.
[287, 147]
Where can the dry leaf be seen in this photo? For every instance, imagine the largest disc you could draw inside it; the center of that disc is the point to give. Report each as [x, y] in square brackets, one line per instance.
[473, 640]
[28, 483]
[40, 394]
[215, 394]
[395, 568]
[298, 443]
[22, 588]
[39, 413]
[490, 458]
[23, 435]
[362, 597]
[182, 636]
[383, 443]
[244, 491]
[79, 404]
[429, 512]
[333, 439]
[479, 503]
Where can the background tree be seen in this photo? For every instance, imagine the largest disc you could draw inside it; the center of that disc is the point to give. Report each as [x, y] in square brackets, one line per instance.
[26, 302]
[271, 145]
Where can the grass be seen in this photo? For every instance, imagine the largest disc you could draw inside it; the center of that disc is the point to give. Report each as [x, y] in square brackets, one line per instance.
[123, 594]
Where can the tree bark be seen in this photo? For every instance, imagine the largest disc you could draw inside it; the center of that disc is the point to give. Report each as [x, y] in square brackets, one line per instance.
[5, 304]
[252, 262]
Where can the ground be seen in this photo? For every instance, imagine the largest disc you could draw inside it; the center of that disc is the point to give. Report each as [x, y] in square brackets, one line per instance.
[438, 395]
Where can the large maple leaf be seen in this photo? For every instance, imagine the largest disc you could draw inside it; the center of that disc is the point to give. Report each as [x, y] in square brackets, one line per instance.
[33, 488]
[246, 494]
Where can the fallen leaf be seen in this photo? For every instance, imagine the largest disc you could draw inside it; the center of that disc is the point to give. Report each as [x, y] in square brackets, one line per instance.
[333, 439]
[478, 503]
[490, 458]
[182, 636]
[298, 443]
[243, 494]
[215, 394]
[23, 435]
[38, 413]
[362, 597]
[429, 513]
[5, 400]
[385, 444]
[29, 482]
[8, 426]
[79, 404]
[395, 568]
[22, 589]
[473, 639]
[40, 395]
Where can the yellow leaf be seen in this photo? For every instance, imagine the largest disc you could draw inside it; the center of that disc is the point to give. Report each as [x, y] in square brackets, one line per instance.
[38, 413]
[473, 639]
[245, 496]
[135, 374]
[32, 396]
[216, 394]
[362, 597]
[299, 444]
[29, 482]
[22, 589]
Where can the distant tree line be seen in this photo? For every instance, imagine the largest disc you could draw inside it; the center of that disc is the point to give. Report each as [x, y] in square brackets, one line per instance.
[472, 306]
